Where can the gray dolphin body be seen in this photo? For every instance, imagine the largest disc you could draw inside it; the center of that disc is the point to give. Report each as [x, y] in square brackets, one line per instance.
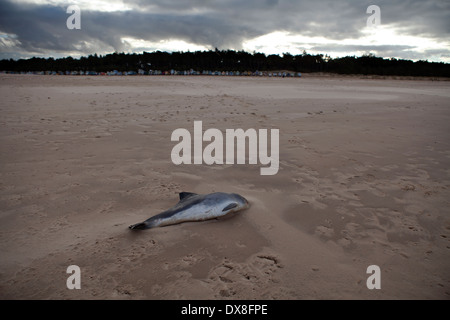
[196, 207]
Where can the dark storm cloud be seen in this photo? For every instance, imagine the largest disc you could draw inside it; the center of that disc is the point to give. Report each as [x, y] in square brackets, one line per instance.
[33, 25]
[222, 24]
[428, 18]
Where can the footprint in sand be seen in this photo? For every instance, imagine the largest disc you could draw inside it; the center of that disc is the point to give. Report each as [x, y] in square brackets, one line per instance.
[254, 278]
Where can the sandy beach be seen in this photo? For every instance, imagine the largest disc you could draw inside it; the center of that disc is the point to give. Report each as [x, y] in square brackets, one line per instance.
[364, 179]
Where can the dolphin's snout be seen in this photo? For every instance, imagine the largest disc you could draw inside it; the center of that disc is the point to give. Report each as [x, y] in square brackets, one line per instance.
[246, 203]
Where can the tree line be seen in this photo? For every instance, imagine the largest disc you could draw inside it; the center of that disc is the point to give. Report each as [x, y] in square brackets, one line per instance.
[231, 60]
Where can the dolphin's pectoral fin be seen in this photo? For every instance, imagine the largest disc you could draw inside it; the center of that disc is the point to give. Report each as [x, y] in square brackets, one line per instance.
[138, 226]
[230, 206]
[185, 195]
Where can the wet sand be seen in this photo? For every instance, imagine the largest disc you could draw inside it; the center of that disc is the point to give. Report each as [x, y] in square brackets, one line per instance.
[364, 179]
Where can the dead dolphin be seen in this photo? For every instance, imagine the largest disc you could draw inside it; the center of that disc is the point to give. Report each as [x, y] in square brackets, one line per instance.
[196, 207]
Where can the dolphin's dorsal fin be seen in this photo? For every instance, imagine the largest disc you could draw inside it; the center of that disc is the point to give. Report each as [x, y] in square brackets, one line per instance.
[185, 195]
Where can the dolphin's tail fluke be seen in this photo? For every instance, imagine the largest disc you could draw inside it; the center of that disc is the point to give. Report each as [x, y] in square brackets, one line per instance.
[147, 224]
[139, 226]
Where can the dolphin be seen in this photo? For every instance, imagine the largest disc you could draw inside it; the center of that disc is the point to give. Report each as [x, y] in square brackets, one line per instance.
[196, 207]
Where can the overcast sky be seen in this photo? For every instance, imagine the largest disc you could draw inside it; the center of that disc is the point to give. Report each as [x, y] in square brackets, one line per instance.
[408, 29]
